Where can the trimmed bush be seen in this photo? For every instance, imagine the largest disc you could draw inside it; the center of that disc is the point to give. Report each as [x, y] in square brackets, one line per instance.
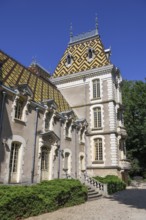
[114, 183]
[17, 202]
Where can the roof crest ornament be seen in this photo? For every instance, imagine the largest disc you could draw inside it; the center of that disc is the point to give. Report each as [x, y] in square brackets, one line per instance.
[96, 24]
[71, 32]
[34, 60]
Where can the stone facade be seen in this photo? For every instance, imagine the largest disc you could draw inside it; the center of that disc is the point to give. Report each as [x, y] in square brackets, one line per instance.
[38, 140]
[80, 90]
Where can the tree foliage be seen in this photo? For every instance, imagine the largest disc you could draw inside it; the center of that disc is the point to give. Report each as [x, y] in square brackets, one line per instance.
[134, 100]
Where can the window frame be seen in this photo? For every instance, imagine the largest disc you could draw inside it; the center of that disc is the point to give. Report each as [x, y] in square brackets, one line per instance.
[45, 162]
[98, 149]
[18, 115]
[14, 156]
[96, 89]
[97, 117]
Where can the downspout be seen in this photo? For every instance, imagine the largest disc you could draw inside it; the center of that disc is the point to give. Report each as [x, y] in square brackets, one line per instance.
[2, 113]
[86, 159]
[34, 146]
[59, 153]
[75, 154]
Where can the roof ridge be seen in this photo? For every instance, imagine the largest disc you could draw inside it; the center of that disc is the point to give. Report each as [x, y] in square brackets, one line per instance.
[83, 36]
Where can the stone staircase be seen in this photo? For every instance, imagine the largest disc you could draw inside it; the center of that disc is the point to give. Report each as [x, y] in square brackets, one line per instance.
[92, 194]
[95, 189]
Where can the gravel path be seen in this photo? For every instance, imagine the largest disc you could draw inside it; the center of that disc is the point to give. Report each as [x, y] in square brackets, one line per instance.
[126, 205]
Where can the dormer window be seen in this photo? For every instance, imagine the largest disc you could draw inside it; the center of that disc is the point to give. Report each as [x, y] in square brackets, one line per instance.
[21, 103]
[19, 109]
[69, 60]
[90, 54]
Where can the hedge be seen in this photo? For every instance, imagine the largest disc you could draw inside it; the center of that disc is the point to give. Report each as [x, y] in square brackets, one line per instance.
[17, 202]
[114, 184]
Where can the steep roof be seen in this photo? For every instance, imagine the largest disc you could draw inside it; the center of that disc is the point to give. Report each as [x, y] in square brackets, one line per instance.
[14, 73]
[78, 50]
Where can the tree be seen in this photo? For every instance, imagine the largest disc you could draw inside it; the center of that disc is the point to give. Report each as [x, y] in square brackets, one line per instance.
[134, 100]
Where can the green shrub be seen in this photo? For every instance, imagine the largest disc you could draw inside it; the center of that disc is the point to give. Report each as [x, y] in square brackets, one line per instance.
[114, 184]
[17, 202]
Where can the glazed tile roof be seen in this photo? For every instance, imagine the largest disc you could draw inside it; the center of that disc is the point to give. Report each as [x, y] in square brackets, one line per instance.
[78, 49]
[14, 73]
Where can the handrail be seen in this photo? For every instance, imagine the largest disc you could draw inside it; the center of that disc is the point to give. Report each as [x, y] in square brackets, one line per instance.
[90, 181]
[98, 186]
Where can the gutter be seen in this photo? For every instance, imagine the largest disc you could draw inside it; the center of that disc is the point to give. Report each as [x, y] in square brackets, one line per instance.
[2, 112]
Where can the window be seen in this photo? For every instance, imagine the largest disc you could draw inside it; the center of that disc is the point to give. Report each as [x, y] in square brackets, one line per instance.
[90, 54]
[14, 157]
[68, 130]
[45, 159]
[68, 59]
[19, 109]
[66, 161]
[96, 89]
[98, 149]
[97, 117]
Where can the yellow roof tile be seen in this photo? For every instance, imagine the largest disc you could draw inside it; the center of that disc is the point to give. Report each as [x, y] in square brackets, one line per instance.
[13, 74]
[79, 53]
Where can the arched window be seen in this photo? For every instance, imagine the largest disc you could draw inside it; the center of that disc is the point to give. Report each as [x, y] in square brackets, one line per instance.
[90, 53]
[97, 117]
[96, 88]
[66, 161]
[98, 149]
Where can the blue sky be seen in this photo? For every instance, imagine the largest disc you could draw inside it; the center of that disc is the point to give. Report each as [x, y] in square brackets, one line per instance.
[41, 28]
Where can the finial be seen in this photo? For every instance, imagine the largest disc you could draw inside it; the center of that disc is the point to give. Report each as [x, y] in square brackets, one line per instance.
[96, 24]
[71, 33]
[34, 62]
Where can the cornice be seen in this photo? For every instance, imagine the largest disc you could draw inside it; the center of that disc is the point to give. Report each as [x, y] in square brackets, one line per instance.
[83, 75]
[94, 103]
[103, 167]
[102, 133]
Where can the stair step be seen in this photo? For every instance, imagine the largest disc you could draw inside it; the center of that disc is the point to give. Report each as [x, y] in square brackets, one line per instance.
[95, 197]
[93, 193]
[91, 190]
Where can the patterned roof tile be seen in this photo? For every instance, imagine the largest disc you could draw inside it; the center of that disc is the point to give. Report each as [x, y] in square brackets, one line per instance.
[13, 74]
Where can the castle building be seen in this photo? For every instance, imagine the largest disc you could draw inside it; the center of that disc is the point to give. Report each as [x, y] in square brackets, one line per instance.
[91, 84]
[64, 125]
